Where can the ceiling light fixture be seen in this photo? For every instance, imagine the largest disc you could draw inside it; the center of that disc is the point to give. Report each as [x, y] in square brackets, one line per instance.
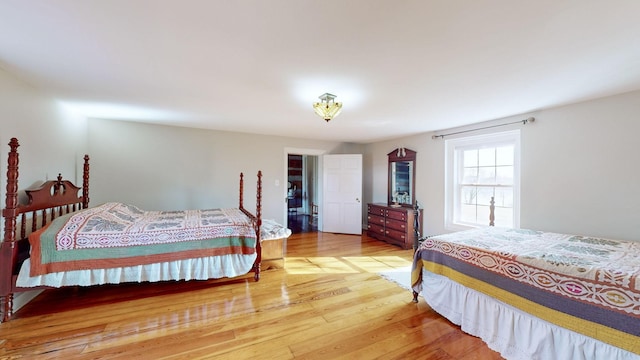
[327, 108]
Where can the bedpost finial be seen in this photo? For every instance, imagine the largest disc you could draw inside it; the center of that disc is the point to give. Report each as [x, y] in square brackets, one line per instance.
[85, 182]
[13, 144]
[492, 208]
[241, 192]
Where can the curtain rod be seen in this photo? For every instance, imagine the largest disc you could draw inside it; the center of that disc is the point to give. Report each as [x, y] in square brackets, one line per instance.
[524, 122]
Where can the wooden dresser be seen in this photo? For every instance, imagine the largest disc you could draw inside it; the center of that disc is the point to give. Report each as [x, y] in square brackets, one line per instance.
[393, 225]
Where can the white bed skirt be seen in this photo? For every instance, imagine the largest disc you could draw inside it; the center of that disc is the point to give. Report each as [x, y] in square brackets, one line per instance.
[213, 267]
[508, 330]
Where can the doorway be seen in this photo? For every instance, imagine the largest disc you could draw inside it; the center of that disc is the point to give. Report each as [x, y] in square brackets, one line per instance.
[302, 193]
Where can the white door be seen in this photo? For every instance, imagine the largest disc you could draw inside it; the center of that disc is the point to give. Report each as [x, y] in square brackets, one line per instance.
[342, 194]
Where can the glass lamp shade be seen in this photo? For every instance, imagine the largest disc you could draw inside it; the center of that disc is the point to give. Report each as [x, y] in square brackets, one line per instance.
[327, 108]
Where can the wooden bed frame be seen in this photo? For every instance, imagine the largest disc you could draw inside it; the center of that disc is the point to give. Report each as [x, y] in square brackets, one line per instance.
[55, 198]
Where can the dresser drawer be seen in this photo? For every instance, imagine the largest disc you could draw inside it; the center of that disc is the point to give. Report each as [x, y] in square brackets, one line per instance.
[396, 225]
[373, 219]
[398, 236]
[397, 215]
[375, 210]
[376, 229]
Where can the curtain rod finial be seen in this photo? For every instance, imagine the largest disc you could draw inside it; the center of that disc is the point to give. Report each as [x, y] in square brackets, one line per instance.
[531, 119]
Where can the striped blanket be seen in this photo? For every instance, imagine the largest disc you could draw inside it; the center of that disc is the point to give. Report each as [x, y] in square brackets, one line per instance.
[585, 284]
[116, 235]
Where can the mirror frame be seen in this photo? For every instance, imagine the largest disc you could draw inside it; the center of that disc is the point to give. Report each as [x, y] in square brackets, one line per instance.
[405, 155]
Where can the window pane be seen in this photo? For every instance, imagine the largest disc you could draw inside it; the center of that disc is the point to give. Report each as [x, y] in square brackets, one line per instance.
[469, 195]
[470, 158]
[487, 175]
[504, 175]
[487, 157]
[470, 176]
[504, 197]
[468, 213]
[484, 196]
[504, 155]
[482, 215]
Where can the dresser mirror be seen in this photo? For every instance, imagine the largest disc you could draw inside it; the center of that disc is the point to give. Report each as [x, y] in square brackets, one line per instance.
[402, 178]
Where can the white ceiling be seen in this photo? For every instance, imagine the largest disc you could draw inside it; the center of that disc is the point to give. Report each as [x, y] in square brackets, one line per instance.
[399, 67]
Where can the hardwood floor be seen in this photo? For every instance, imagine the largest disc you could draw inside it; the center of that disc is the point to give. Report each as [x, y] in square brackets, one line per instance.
[301, 223]
[328, 303]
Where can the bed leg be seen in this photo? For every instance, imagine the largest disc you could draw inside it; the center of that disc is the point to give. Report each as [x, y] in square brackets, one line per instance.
[7, 307]
[256, 270]
[415, 297]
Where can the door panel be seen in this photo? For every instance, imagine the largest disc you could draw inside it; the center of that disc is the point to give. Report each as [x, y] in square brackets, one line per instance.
[342, 206]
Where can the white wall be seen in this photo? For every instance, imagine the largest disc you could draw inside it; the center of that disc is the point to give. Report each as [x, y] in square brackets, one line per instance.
[579, 172]
[172, 168]
[51, 139]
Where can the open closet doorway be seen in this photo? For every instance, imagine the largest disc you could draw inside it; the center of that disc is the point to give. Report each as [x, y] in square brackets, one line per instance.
[303, 195]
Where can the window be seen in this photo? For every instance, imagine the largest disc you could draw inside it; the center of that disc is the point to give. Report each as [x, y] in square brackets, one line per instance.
[477, 169]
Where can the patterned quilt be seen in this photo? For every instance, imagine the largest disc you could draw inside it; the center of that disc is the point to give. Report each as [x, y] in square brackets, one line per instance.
[588, 285]
[116, 235]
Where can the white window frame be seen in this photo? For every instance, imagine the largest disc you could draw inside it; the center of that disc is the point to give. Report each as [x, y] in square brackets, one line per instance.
[452, 168]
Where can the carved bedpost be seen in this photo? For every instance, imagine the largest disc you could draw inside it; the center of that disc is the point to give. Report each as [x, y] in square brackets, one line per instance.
[8, 246]
[492, 209]
[258, 226]
[259, 199]
[11, 202]
[241, 202]
[85, 183]
[7, 307]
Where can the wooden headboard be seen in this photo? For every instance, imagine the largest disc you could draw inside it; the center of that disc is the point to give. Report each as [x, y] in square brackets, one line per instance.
[51, 199]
